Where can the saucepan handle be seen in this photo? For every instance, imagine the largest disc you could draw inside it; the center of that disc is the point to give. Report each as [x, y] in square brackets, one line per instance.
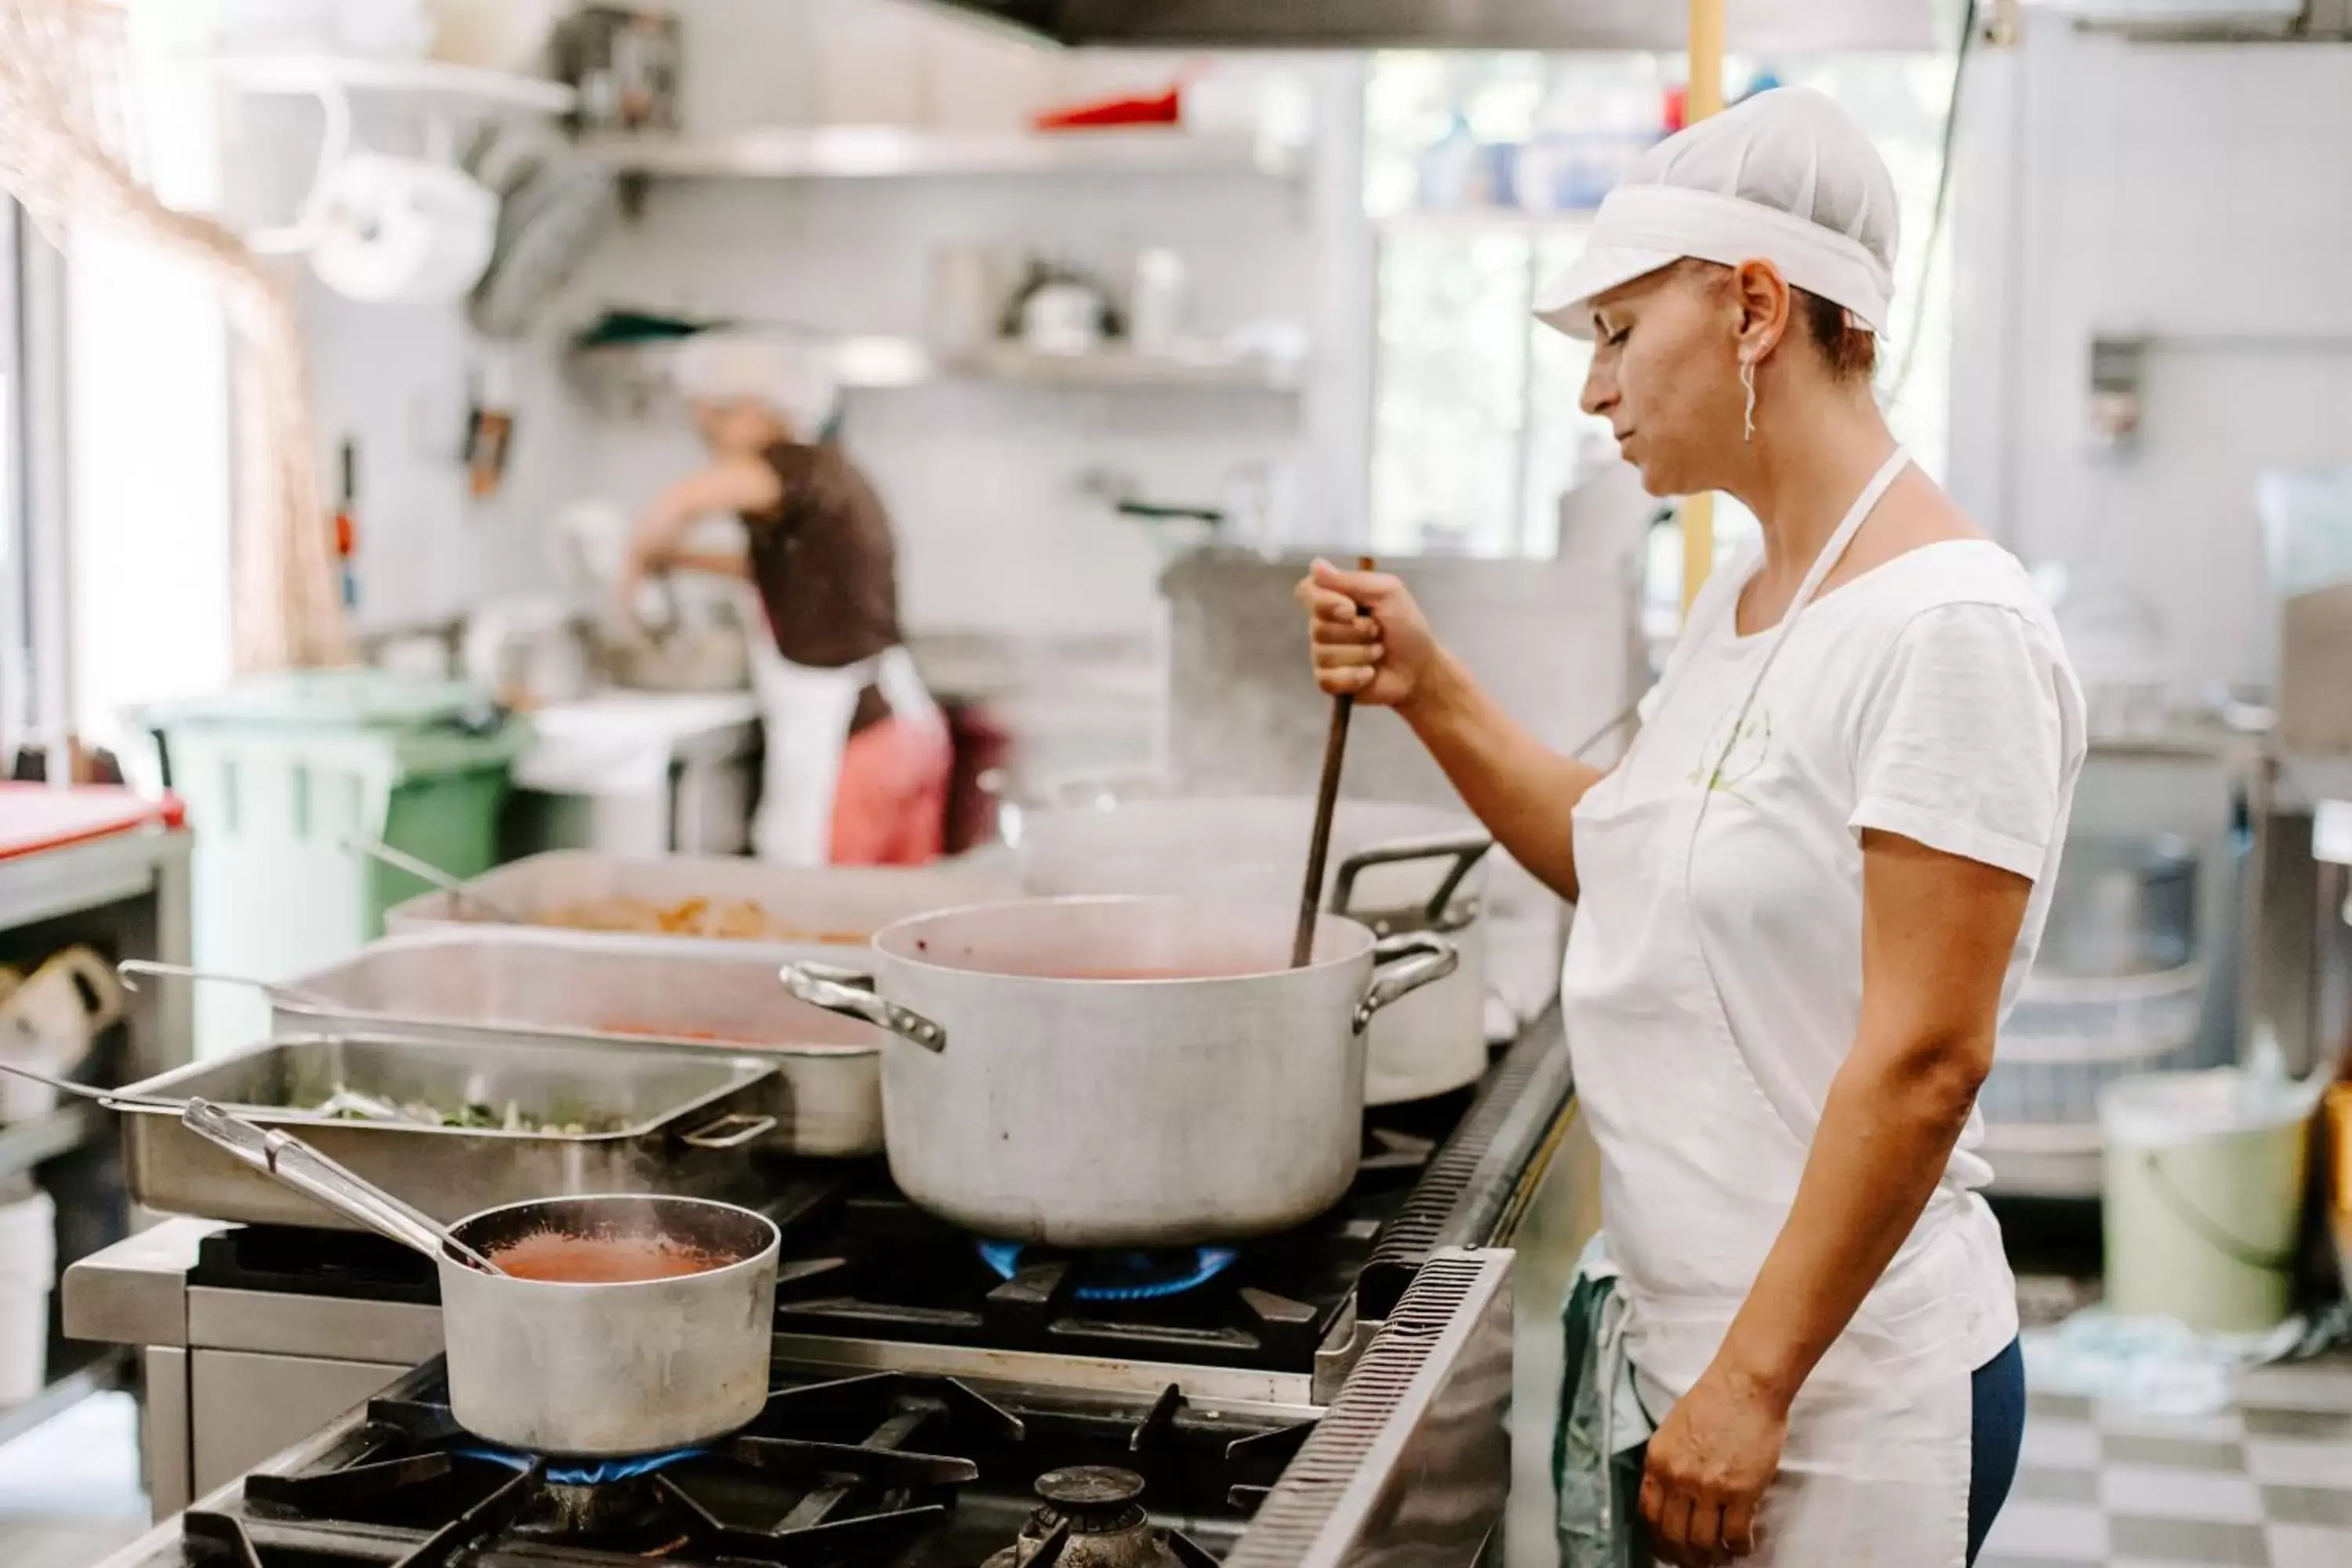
[1464, 849]
[1402, 965]
[851, 994]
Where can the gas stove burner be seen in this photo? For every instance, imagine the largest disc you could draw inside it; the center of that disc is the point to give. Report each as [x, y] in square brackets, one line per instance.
[1093, 1517]
[1098, 1497]
[1125, 1276]
[584, 1472]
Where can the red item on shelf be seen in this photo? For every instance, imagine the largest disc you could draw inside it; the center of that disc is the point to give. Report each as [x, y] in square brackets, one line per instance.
[1145, 109]
[33, 817]
[1677, 109]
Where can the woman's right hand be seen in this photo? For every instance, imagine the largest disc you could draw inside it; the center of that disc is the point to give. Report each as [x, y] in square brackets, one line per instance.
[1369, 639]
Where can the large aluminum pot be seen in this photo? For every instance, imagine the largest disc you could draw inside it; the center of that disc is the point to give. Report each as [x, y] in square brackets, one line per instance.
[1124, 1072]
[1399, 869]
[611, 1369]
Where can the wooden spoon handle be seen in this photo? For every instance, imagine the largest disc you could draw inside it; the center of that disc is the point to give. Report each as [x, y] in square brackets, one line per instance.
[1326, 804]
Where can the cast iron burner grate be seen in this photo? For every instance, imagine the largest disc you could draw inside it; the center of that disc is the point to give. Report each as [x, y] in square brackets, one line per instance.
[860, 1262]
[885, 1470]
[865, 1492]
[872, 1265]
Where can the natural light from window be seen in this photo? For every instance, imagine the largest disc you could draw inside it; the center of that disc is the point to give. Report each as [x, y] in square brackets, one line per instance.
[1479, 171]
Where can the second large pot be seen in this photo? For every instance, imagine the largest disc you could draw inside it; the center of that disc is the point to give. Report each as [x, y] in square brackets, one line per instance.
[1124, 1072]
[1397, 867]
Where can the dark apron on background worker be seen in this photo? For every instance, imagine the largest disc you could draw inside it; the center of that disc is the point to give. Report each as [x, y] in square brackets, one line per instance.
[858, 754]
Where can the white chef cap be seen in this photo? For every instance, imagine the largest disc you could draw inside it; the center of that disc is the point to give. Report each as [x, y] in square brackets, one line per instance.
[1785, 177]
[795, 380]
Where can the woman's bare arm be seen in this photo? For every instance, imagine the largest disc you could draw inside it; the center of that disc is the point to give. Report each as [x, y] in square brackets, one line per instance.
[1936, 933]
[717, 562]
[1372, 642]
[735, 486]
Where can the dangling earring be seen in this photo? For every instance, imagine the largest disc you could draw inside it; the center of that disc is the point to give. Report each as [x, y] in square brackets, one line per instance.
[1748, 381]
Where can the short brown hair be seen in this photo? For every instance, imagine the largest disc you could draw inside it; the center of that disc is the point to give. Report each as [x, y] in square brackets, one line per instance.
[1851, 349]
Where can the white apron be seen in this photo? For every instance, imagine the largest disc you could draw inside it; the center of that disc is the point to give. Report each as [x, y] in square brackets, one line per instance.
[1876, 1471]
[806, 713]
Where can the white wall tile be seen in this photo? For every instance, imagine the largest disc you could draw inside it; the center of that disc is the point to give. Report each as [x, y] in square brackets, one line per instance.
[2178, 192]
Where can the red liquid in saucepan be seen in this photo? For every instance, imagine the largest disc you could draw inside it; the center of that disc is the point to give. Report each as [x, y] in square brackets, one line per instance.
[555, 1258]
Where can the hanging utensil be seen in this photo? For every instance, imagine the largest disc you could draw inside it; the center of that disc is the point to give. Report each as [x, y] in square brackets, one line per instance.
[87, 1090]
[425, 871]
[1327, 802]
[129, 969]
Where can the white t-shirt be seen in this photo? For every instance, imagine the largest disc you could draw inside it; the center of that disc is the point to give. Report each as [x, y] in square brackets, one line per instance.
[1929, 697]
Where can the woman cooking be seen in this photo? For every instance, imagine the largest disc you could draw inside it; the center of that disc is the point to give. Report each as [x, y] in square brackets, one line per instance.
[859, 756]
[1805, 895]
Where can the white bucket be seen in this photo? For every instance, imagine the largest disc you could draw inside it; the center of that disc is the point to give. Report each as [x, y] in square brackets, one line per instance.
[2204, 1197]
[28, 1270]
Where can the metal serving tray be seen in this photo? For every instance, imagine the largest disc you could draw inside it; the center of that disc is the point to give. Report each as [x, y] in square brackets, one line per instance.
[686, 1123]
[849, 901]
[521, 984]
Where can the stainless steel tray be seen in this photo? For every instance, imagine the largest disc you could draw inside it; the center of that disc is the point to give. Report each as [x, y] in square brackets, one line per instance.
[686, 1122]
[520, 985]
[853, 901]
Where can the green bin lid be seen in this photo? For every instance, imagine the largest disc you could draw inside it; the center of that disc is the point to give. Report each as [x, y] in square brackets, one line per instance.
[336, 699]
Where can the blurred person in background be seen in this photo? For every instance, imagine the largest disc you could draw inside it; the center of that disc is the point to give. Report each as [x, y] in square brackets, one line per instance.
[858, 754]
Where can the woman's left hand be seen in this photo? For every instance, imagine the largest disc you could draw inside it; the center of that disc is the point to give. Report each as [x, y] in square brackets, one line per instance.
[1708, 1466]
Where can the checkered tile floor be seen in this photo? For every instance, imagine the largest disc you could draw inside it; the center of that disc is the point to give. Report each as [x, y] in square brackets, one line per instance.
[2267, 1484]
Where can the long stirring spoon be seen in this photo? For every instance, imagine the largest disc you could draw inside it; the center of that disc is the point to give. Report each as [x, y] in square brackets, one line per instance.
[1327, 803]
[426, 872]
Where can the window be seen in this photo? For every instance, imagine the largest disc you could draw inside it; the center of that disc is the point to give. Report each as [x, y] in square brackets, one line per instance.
[1479, 171]
[34, 700]
[15, 655]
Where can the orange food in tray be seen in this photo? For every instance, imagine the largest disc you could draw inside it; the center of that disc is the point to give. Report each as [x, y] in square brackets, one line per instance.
[731, 919]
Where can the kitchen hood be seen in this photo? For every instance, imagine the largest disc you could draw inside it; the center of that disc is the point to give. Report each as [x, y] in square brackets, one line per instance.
[1775, 25]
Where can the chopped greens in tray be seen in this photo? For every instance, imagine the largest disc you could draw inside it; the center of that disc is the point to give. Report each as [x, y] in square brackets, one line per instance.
[349, 1104]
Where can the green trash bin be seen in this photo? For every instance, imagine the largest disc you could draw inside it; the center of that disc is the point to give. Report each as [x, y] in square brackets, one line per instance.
[278, 771]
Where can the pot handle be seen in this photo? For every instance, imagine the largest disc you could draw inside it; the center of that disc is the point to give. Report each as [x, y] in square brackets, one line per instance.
[1419, 958]
[851, 994]
[746, 1128]
[1465, 850]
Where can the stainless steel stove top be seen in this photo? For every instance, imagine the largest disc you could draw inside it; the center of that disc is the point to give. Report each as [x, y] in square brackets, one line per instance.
[921, 1470]
[1393, 1315]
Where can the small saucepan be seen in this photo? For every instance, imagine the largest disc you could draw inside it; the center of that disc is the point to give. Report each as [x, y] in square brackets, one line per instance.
[606, 1325]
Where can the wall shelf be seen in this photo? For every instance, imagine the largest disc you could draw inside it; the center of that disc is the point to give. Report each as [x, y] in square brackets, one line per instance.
[1118, 368]
[892, 151]
[630, 378]
[1474, 221]
[447, 87]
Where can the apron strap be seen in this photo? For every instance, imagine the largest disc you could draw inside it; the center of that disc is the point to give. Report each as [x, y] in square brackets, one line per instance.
[1824, 564]
[1831, 553]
